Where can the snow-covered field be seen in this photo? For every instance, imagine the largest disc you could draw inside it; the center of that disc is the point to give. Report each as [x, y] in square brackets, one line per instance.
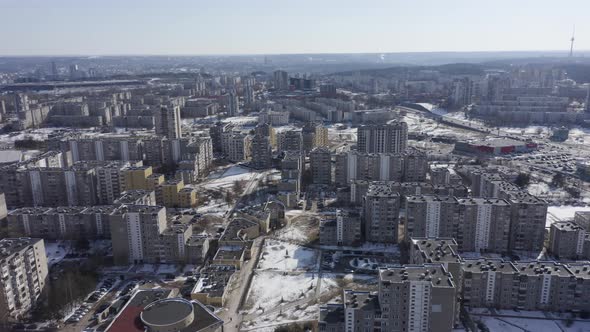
[271, 289]
[226, 178]
[55, 251]
[283, 256]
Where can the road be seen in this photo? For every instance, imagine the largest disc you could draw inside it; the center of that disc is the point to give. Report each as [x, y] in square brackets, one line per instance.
[239, 288]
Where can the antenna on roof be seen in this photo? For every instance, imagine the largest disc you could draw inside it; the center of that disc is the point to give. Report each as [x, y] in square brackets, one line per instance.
[572, 42]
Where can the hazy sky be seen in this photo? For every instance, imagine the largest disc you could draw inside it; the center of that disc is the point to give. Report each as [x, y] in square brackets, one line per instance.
[99, 27]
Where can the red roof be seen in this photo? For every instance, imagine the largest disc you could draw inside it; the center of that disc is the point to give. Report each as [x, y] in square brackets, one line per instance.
[128, 321]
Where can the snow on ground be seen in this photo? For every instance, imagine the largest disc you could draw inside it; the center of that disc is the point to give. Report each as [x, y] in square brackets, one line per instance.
[537, 189]
[56, 251]
[226, 179]
[337, 281]
[283, 256]
[167, 269]
[531, 321]
[295, 314]
[293, 232]
[564, 212]
[40, 134]
[242, 120]
[216, 207]
[268, 288]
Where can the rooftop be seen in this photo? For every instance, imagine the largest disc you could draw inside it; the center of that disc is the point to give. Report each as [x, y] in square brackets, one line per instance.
[435, 273]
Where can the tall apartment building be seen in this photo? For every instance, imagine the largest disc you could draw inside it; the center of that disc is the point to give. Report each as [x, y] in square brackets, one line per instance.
[23, 271]
[15, 180]
[527, 222]
[281, 80]
[321, 165]
[249, 96]
[478, 224]
[410, 166]
[216, 132]
[489, 283]
[381, 214]
[383, 138]
[261, 152]
[233, 104]
[442, 251]
[266, 130]
[274, 118]
[61, 223]
[104, 148]
[537, 285]
[566, 240]
[291, 140]
[362, 311]
[75, 185]
[134, 230]
[109, 180]
[418, 298]
[314, 135]
[167, 121]
[291, 172]
[343, 230]
[236, 146]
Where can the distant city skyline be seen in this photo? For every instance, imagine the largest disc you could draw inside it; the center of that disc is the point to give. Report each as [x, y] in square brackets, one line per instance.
[227, 27]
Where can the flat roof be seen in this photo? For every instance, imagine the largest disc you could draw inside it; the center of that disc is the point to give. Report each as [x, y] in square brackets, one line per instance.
[166, 311]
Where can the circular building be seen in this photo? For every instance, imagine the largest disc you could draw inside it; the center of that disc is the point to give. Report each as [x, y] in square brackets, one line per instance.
[168, 315]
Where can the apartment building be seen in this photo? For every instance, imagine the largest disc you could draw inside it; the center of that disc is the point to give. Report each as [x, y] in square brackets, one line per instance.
[381, 214]
[140, 178]
[362, 311]
[383, 138]
[343, 230]
[314, 135]
[566, 240]
[61, 223]
[174, 194]
[477, 224]
[134, 228]
[409, 166]
[261, 152]
[23, 271]
[291, 140]
[167, 121]
[75, 185]
[103, 148]
[417, 298]
[236, 146]
[527, 222]
[437, 251]
[321, 165]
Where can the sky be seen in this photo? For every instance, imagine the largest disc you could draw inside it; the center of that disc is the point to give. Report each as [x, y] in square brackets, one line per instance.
[198, 27]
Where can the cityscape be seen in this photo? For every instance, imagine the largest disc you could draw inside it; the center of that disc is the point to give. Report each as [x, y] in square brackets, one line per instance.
[275, 190]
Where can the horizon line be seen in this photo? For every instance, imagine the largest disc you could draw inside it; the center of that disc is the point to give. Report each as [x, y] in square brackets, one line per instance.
[566, 53]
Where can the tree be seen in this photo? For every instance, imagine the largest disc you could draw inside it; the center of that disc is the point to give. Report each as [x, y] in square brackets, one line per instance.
[574, 192]
[558, 180]
[82, 244]
[238, 187]
[522, 180]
